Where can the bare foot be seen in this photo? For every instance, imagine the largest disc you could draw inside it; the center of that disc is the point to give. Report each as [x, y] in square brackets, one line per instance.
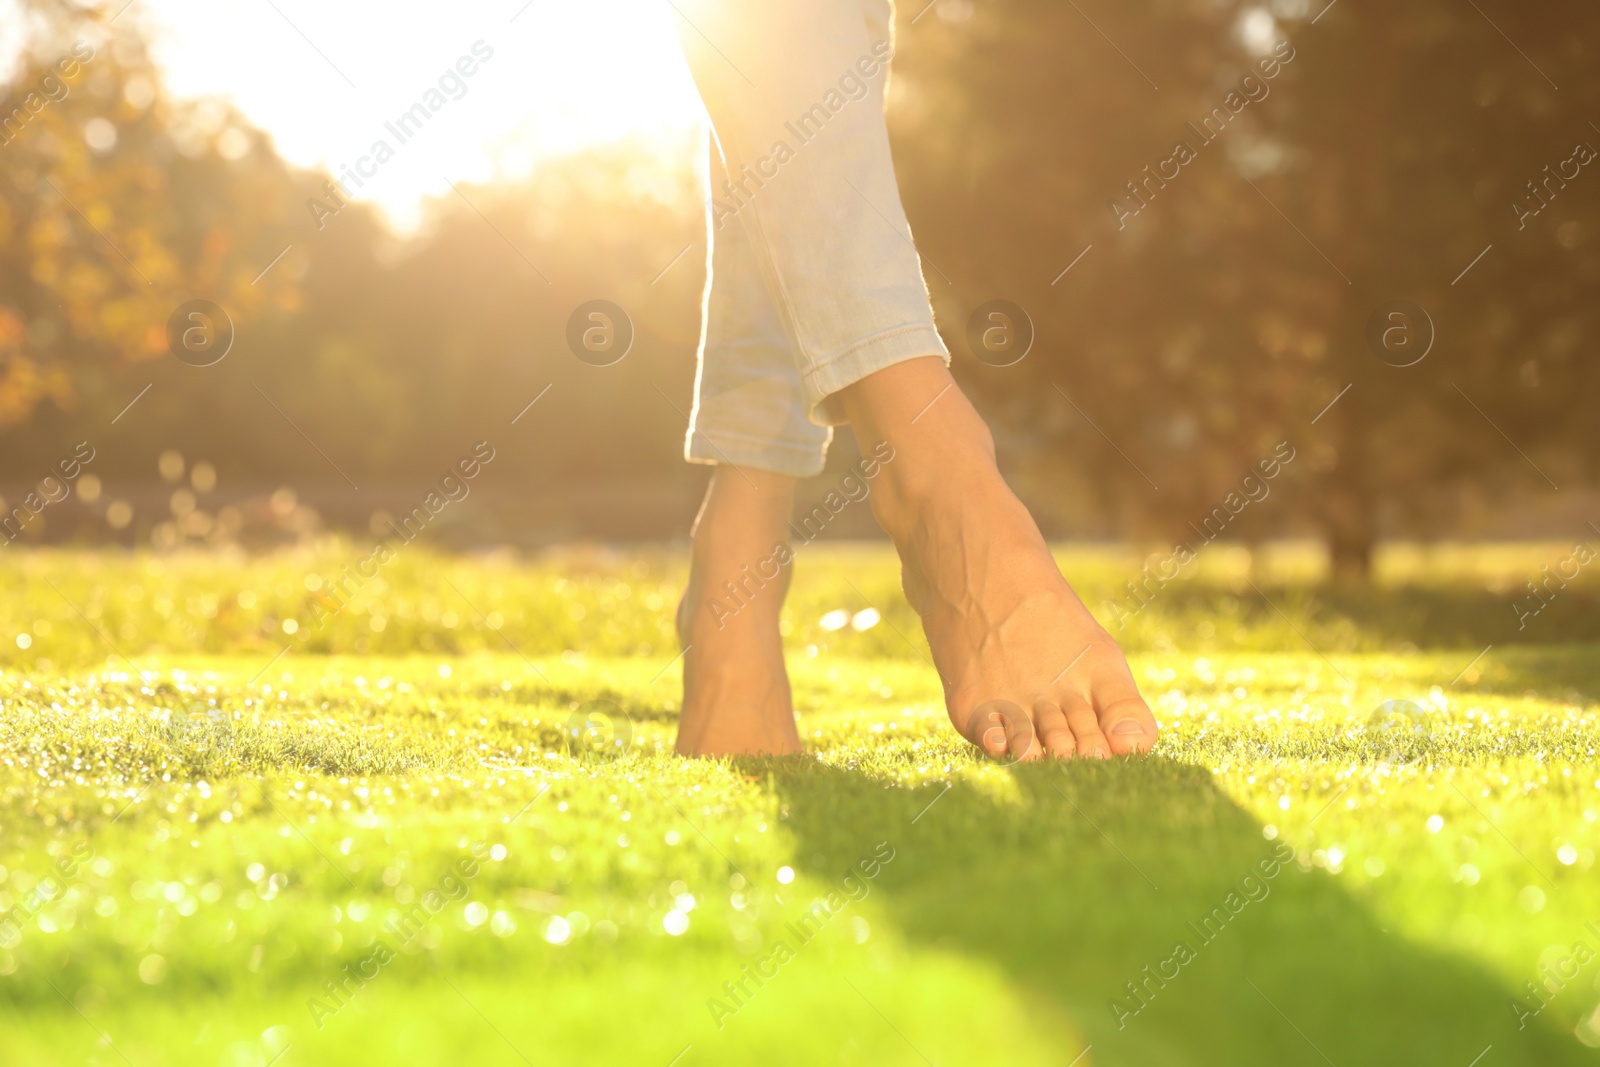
[735, 689]
[1027, 670]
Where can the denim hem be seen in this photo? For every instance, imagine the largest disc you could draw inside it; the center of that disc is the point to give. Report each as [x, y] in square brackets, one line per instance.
[779, 457]
[866, 357]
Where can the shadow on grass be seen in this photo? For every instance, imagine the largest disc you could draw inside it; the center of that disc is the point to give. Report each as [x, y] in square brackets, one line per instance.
[1084, 875]
[1568, 673]
[1356, 618]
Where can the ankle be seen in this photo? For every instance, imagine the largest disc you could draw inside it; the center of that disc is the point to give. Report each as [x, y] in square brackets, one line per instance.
[745, 512]
[942, 448]
[943, 475]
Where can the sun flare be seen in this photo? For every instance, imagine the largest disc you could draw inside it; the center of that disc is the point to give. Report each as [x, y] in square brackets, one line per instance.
[329, 82]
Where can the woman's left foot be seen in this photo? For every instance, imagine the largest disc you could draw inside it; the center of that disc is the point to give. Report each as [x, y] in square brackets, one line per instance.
[736, 698]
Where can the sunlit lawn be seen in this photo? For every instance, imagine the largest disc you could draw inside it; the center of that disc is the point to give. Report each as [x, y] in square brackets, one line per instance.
[203, 838]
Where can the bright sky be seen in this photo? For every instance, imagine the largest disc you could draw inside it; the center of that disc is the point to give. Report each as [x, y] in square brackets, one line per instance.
[564, 75]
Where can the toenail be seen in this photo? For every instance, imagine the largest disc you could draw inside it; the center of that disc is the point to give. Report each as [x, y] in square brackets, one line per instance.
[1128, 726]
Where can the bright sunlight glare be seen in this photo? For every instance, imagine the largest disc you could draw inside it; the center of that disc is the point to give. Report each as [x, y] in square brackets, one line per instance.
[324, 79]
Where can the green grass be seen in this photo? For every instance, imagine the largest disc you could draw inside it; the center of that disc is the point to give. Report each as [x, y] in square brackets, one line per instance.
[237, 826]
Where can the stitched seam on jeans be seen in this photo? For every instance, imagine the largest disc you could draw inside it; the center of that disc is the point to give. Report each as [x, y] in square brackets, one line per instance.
[808, 370]
[772, 262]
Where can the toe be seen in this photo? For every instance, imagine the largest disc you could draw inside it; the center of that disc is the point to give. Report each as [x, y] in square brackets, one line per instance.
[1085, 727]
[1004, 731]
[1050, 722]
[1125, 718]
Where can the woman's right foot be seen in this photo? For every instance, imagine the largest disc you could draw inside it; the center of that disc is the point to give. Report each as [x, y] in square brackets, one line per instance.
[1028, 672]
[736, 699]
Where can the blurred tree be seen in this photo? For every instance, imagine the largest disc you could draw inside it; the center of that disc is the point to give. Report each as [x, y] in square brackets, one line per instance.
[408, 352]
[1222, 300]
[392, 355]
[116, 206]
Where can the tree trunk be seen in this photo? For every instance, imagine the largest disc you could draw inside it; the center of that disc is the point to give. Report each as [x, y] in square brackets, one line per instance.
[1346, 507]
[1350, 546]
[1347, 500]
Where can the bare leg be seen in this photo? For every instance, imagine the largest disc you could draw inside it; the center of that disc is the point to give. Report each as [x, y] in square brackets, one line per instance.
[735, 689]
[1001, 620]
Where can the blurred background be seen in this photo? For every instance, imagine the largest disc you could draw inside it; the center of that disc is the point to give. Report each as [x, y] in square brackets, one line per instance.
[1440, 153]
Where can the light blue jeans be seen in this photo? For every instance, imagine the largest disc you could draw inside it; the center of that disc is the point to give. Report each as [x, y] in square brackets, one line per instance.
[812, 280]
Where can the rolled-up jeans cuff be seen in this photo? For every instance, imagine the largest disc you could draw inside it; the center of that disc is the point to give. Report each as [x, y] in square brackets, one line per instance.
[824, 380]
[797, 460]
